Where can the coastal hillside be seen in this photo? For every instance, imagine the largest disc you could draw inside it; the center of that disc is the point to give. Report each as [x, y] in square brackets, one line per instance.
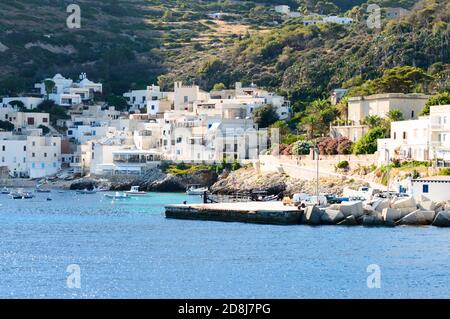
[306, 62]
[122, 43]
[128, 44]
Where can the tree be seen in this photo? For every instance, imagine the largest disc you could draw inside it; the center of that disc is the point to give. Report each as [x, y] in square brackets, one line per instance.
[265, 116]
[318, 116]
[45, 129]
[368, 143]
[49, 86]
[404, 79]
[395, 115]
[372, 121]
[438, 99]
[6, 126]
[119, 102]
[18, 105]
[219, 87]
[283, 129]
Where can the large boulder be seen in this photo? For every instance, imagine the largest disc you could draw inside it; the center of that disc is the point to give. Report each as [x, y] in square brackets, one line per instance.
[403, 202]
[442, 219]
[373, 219]
[392, 215]
[406, 210]
[418, 217]
[381, 204]
[427, 205]
[83, 184]
[349, 221]
[352, 209]
[331, 216]
[312, 215]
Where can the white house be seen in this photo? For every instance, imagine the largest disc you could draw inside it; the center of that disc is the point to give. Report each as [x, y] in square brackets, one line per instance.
[29, 102]
[436, 188]
[43, 155]
[283, 9]
[338, 20]
[66, 92]
[31, 156]
[424, 139]
[410, 140]
[13, 154]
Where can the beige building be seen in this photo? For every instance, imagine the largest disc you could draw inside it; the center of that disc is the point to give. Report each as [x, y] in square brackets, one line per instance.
[360, 107]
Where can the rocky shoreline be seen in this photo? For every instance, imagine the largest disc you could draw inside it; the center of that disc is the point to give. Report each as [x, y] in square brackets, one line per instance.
[153, 181]
[248, 179]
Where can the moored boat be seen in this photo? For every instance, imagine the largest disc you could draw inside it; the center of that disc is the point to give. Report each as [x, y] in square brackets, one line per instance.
[5, 191]
[134, 191]
[86, 192]
[117, 195]
[20, 194]
[196, 190]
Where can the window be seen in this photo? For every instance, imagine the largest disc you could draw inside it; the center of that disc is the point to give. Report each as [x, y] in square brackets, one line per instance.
[412, 114]
[33, 165]
[33, 155]
[54, 144]
[3, 148]
[42, 165]
[45, 120]
[3, 159]
[186, 99]
[54, 155]
[25, 148]
[54, 164]
[425, 188]
[34, 143]
[404, 135]
[45, 154]
[395, 135]
[30, 121]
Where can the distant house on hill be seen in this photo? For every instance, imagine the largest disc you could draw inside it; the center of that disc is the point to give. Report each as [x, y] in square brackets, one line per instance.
[395, 13]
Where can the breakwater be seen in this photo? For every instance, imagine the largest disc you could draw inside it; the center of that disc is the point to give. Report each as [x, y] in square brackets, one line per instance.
[381, 212]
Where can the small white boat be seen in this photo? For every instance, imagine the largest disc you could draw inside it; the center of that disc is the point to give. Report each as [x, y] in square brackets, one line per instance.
[196, 190]
[117, 195]
[134, 191]
[5, 191]
[20, 194]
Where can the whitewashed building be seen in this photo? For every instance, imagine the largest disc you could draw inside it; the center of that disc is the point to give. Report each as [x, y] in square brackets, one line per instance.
[29, 102]
[436, 188]
[66, 92]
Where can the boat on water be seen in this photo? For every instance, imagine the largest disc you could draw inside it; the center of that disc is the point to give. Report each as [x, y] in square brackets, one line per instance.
[196, 189]
[134, 191]
[20, 194]
[87, 192]
[5, 191]
[117, 195]
[39, 189]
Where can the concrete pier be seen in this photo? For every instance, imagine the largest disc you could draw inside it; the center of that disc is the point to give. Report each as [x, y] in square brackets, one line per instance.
[248, 212]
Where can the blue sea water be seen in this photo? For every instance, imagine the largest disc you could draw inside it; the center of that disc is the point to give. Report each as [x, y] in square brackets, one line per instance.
[129, 250]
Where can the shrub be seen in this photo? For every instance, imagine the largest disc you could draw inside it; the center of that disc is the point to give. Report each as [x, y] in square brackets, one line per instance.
[301, 148]
[343, 165]
[444, 171]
